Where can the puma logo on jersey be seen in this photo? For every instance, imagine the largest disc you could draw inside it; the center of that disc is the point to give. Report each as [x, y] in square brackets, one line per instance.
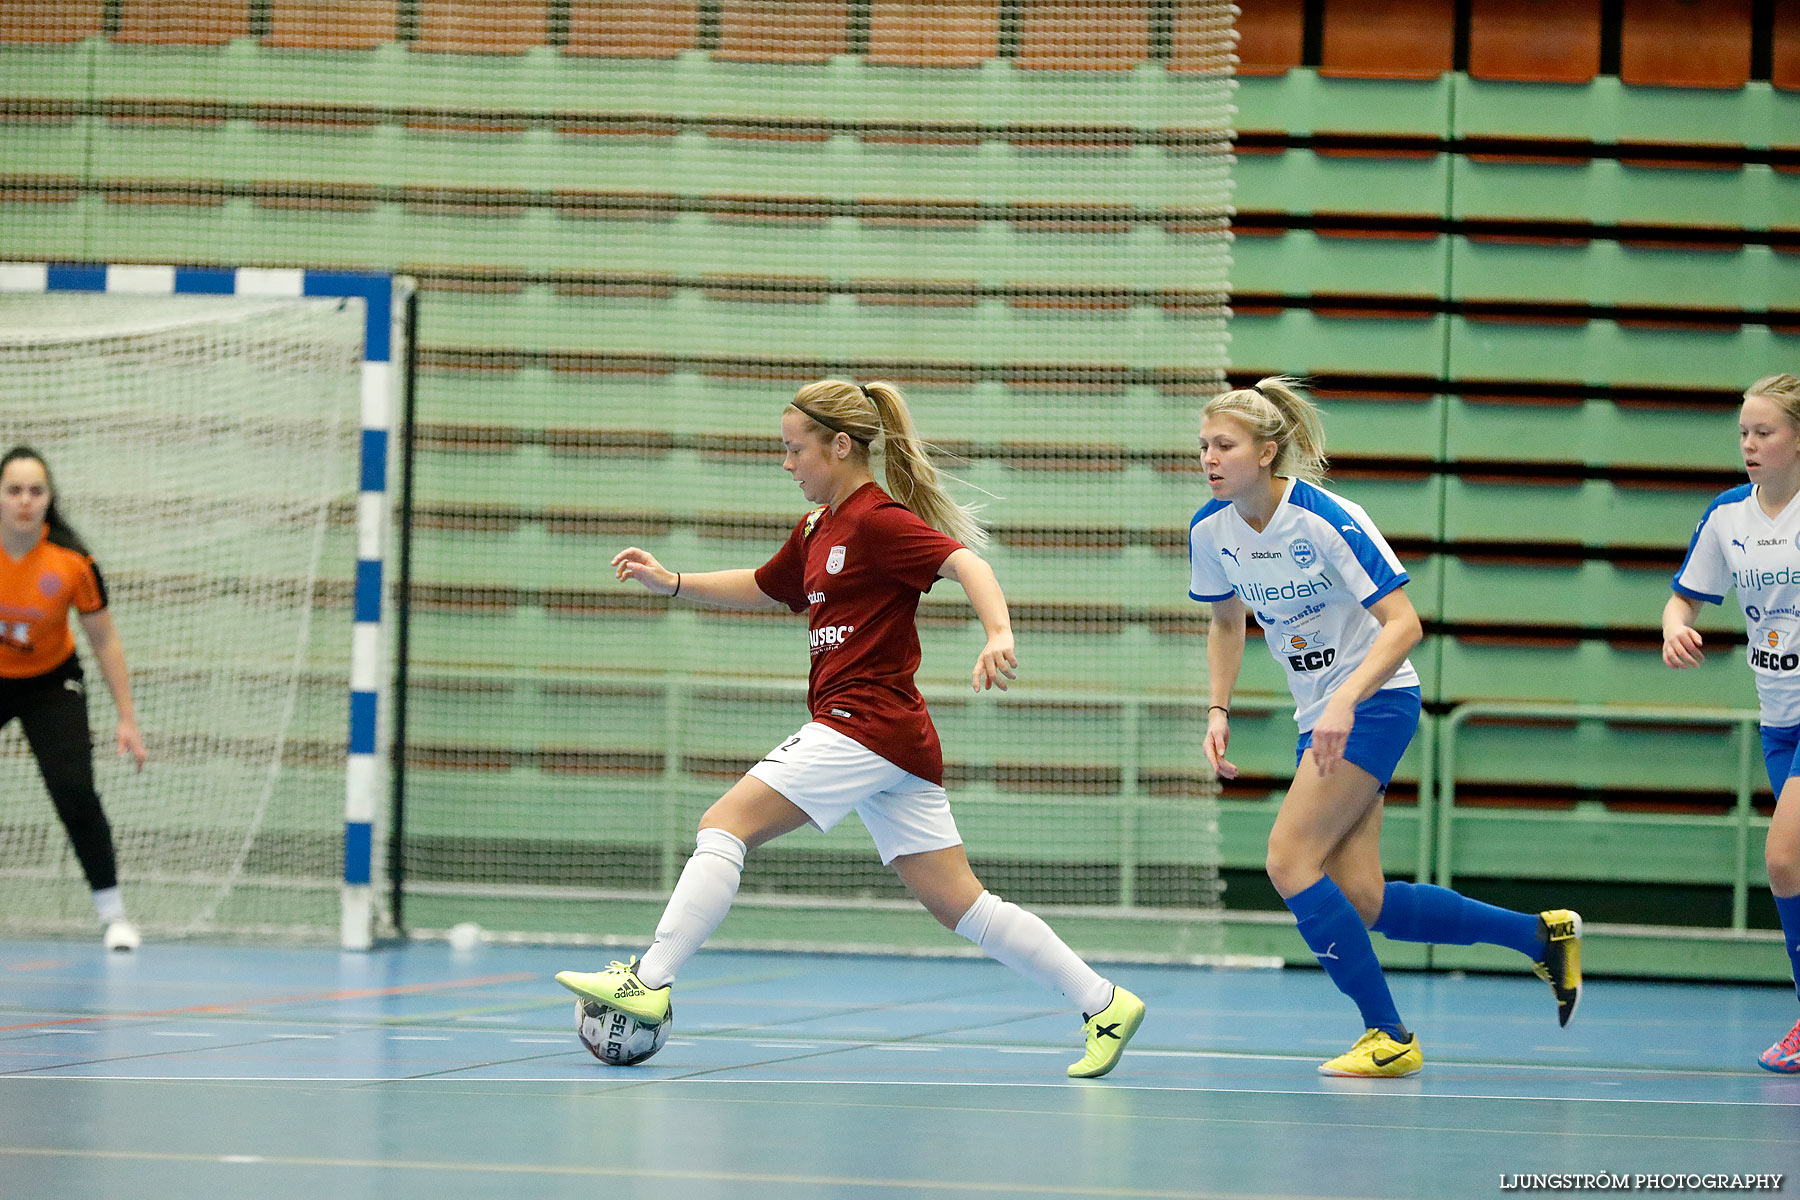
[1232, 555]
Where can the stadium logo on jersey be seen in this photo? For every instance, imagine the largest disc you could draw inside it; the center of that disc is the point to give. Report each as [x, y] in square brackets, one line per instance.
[812, 518]
[1302, 552]
[834, 562]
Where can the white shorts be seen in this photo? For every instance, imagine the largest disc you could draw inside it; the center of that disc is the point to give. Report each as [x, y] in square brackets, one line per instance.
[827, 776]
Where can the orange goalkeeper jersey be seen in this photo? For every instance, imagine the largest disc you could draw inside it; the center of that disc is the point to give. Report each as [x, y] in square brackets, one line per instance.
[36, 593]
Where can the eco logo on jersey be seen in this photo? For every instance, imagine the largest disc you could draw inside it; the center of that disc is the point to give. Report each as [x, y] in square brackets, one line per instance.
[1297, 642]
[1774, 639]
[1302, 552]
[834, 562]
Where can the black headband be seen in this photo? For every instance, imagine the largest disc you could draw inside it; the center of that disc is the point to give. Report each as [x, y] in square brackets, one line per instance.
[828, 423]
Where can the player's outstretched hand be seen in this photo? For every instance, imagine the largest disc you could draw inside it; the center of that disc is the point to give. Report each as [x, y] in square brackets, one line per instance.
[1218, 736]
[131, 743]
[996, 664]
[1681, 647]
[641, 565]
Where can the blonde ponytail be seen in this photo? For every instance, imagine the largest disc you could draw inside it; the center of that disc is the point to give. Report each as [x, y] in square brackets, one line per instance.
[877, 411]
[1274, 411]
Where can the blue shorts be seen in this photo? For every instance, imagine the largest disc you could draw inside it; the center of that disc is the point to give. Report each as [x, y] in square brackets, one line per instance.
[1384, 727]
[1779, 758]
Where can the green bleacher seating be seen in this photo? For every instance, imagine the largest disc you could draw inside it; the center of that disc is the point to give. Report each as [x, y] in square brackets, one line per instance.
[1302, 262]
[1594, 594]
[1571, 671]
[1602, 351]
[1594, 431]
[1611, 273]
[1588, 512]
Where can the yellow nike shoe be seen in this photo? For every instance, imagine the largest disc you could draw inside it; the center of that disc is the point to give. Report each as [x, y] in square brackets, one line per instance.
[1561, 965]
[1107, 1032]
[619, 987]
[1377, 1055]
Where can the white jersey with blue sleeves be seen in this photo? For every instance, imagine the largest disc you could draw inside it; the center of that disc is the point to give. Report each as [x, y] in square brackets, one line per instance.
[1309, 578]
[1738, 545]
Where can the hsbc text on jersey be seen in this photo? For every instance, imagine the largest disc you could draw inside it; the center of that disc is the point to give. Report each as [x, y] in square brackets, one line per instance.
[827, 636]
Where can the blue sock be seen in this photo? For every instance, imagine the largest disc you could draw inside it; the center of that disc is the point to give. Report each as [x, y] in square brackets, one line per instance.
[1789, 909]
[1424, 912]
[1337, 937]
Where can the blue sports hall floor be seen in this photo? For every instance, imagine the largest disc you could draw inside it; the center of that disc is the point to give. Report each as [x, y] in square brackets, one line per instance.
[418, 1071]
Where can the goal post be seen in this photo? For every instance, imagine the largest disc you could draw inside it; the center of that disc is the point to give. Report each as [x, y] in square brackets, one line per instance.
[222, 440]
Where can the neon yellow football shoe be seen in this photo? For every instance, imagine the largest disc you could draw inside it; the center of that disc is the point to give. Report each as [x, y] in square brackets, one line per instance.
[1377, 1055]
[619, 987]
[1561, 965]
[1107, 1032]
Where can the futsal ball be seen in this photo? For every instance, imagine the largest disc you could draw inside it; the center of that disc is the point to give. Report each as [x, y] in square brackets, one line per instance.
[616, 1038]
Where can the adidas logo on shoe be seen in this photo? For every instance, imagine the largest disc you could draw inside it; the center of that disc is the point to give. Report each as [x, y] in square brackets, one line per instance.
[628, 989]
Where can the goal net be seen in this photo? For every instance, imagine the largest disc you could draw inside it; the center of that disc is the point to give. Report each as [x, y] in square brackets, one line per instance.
[206, 449]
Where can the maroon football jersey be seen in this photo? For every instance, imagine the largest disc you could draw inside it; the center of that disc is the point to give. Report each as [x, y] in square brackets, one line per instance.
[860, 571]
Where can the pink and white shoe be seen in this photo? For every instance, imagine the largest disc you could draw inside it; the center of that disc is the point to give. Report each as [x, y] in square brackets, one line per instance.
[1783, 1056]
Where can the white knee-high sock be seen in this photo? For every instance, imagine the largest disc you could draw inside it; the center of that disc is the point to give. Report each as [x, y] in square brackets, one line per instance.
[701, 898]
[1022, 941]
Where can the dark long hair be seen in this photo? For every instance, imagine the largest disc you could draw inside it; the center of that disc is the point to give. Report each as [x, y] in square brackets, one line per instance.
[61, 532]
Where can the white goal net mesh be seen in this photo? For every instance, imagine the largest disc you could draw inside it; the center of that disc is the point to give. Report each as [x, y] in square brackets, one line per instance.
[205, 449]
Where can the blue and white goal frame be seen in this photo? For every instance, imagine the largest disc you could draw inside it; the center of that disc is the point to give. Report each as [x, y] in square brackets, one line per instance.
[383, 333]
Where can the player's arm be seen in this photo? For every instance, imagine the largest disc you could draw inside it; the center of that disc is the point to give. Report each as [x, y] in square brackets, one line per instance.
[1681, 641]
[103, 639]
[1224, 659]
[997, 662]
[1400, 632]
[716, 589]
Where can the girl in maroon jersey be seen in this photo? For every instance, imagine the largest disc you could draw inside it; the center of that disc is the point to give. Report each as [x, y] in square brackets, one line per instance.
[857, 566]
[44, 572]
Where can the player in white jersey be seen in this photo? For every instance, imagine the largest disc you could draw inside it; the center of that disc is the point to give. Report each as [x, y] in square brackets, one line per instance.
[1330, 596]
[1747, 540]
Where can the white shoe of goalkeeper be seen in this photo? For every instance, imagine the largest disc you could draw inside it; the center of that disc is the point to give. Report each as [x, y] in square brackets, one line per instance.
[122, 935]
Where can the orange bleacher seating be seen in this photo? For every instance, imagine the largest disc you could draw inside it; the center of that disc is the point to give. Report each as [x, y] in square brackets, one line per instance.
[632, 28]
[936, 33]
[1685, 43]
[804, 31]
[332, 24]
[70, 22]
[1388, 39]
[1270, 36]
[482, 26]
[1534, 41]
[182, 22]
[1784, 69]
[1063, 35]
